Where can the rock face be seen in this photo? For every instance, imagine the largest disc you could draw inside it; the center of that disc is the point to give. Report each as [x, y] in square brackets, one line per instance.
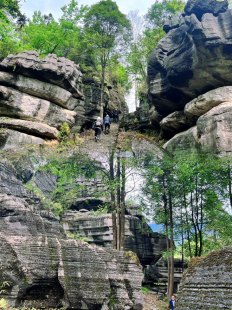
[207, 283]
[50, 91]
[41, 94]
[193, 58]
[156, 275]
[212, 133]
[113, 99]
[55, 70]
[44, 269]
[97, 229]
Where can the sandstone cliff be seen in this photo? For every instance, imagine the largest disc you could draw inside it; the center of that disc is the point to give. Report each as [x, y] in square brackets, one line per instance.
[38, 95]
[189, 79]
[194, 56]
[207, 283]
[45, 269]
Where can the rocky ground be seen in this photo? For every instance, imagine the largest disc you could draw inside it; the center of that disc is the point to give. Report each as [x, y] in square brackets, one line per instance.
[151, 302]
[100, 150]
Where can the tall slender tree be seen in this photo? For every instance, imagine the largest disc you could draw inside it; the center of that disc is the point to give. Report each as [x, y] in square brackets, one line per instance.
[104, 27]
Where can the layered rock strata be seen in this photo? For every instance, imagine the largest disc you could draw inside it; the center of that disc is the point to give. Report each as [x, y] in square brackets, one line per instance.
[44, 269]
[193, 58]
[98, 229]
[207, 284]
[41, 94]
[213, 131]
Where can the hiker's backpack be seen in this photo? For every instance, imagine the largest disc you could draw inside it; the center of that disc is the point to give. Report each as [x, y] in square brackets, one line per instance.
[98, 123]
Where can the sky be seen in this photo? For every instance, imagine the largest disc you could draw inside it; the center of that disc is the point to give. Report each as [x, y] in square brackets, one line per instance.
[53, 6]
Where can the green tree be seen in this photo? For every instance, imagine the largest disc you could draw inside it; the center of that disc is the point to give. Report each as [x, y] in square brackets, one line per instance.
[9, 8]
[190, 193]
[9, 30]
[161, 10]
[46, 35]
[104, 27]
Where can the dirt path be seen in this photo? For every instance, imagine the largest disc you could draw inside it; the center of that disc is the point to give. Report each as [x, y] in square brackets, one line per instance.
[151, 302]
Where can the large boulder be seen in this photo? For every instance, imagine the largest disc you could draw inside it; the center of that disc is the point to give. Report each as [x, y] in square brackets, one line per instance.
[175, 122]
[34, 128]
[39, 95]
[207, 284]
[44, 269]
[215, 129]
[186, 140]
[55, 70]
[212, 133]
[193, 58]
[207, 101]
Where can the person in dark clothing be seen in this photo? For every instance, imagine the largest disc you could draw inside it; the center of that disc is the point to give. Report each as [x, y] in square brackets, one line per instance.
[107, 123]
[172, 303]
[98, 127]
[116, 116]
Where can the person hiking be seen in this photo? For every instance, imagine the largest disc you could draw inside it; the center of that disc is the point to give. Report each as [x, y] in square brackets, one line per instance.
[172, 303]
[107, 123]
[98, 127]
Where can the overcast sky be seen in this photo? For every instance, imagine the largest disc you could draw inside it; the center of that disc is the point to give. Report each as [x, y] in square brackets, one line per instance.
[53, 6]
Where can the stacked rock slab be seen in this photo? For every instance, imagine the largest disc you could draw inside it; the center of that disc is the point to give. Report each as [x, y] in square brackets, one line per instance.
[193, 58]
[207, 284]
[98, 229]
[212, 113]
[189, 78]
[44, 269]
[36, 97]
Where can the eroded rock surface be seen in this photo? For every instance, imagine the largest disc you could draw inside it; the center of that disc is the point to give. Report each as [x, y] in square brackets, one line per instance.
[53, 69]
[212, 133]
[194, 56]
[97, 229]
[46, 92]
[44, 269]
[208, 280]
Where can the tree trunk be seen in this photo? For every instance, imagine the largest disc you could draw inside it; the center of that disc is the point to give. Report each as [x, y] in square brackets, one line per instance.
[229, 184]
[187, 223]
[194, 225]
[166, 223]
[112, 198]
[171, 272]
[123, 189]
[118, 204]
[102, 88]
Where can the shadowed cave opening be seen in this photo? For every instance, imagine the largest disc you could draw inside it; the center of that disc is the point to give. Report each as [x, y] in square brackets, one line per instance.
[44, 293]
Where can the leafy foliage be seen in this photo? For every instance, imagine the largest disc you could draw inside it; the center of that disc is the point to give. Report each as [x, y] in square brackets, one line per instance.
[196, 188]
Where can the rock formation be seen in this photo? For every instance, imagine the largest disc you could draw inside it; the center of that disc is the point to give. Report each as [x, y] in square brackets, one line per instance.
[189, 79]
[36, 97]
[47, 92]
[44, 269]
[207, 284]
[97, 229]
[213, 131]
[193, 58]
